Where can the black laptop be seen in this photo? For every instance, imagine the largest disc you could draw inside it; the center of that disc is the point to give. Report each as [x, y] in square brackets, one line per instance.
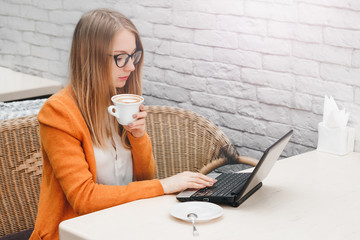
[235, 188]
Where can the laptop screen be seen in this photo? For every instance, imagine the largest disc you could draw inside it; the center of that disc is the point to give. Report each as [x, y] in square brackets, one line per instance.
[267, 161]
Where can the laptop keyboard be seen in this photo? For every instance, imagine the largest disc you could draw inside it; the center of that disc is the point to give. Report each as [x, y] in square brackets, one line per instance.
[226, 183]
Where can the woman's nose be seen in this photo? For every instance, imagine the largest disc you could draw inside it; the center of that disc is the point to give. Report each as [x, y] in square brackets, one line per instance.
[129, 66]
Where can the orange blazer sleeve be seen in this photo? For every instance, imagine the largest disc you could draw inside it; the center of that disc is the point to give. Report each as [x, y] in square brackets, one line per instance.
[143, 161]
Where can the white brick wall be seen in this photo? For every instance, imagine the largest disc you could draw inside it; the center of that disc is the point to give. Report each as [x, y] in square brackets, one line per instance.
[257, 68]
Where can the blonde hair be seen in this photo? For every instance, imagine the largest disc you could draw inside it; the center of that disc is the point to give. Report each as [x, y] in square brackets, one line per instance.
[90, 71]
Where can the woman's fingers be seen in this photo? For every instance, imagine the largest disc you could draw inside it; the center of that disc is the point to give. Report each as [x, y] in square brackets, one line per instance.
[140, 115]
[137, 128]
[136, 124]
[186, 180]
[201, 179]
[140, 119]
[142, 108]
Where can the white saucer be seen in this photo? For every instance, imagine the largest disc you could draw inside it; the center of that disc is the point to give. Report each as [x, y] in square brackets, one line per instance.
[204, 210]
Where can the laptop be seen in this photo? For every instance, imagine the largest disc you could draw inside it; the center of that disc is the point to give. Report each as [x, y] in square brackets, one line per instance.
[235, 188]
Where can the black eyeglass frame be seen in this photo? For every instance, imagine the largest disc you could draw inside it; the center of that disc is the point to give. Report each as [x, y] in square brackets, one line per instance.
[127, 59]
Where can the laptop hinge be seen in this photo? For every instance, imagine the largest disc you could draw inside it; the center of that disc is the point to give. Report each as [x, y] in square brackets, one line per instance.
[242, 199]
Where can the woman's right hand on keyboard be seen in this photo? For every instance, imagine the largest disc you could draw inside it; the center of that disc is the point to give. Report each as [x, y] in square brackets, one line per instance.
[185, 180]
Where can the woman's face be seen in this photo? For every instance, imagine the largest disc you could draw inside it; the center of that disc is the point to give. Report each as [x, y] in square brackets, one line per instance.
[124, 43]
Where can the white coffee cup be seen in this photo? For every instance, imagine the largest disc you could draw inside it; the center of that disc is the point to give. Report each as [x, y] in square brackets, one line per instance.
[125, 106]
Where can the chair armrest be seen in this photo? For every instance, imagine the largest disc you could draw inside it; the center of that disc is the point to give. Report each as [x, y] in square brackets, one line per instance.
[213, 165]
[248, 160]
[223, 161]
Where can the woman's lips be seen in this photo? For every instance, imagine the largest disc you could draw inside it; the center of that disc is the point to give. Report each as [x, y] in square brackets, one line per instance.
[123, 78]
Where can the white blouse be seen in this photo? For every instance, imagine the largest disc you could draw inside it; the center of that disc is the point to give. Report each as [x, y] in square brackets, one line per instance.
[114, 164]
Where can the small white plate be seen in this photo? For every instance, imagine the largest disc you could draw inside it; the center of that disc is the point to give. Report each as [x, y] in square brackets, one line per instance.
[204, 210]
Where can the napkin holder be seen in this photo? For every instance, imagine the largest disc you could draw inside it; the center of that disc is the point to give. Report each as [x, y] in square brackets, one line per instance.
[336, 140]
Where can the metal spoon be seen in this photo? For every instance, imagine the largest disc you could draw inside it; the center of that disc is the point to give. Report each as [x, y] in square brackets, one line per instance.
[193, 217]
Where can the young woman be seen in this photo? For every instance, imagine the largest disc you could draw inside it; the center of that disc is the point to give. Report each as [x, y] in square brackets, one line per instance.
[90, 161]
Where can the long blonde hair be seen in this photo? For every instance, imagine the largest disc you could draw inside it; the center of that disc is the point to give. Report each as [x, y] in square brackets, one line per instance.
[90, 71]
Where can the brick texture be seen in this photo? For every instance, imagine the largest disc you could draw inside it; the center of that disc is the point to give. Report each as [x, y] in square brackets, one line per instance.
[256, 68]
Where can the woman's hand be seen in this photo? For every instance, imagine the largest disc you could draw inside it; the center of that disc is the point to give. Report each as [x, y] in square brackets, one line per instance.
[137, 128]
[185, 180]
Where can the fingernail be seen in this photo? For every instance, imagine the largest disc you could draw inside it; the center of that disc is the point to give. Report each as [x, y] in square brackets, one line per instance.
[134, 116]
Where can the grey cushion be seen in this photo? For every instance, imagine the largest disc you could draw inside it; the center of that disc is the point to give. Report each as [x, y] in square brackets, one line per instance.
[22, 235]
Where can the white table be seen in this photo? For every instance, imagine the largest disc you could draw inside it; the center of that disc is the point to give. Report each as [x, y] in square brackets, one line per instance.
[296, 202]
[16, 85]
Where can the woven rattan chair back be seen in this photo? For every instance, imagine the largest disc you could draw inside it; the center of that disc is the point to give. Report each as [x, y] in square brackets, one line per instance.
[181, 139]
[20, 173]
[185, 141]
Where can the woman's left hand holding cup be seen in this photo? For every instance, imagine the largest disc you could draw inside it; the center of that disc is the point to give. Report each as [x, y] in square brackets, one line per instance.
[137, 128]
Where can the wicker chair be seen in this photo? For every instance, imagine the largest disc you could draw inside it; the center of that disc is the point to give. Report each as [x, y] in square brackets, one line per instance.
[184, 140]
[20, 175]
[181, 139]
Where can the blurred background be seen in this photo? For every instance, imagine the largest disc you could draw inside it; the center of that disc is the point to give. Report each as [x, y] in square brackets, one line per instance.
[256, 68]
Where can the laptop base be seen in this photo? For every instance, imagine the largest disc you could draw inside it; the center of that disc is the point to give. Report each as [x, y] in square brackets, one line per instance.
[229, 201]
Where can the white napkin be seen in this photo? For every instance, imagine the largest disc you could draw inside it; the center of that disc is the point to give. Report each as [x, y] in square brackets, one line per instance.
[333, 117]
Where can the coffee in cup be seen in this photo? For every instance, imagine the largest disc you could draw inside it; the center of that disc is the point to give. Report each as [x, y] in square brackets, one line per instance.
[127, 98]
[125, 106]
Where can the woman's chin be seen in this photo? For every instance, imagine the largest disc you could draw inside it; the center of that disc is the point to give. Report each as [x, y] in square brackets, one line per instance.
[120, 84]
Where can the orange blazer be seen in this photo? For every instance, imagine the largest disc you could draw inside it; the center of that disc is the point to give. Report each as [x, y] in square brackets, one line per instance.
[68, 187]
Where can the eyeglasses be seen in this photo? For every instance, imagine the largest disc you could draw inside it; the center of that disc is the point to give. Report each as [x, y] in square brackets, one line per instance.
[122, 59]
